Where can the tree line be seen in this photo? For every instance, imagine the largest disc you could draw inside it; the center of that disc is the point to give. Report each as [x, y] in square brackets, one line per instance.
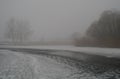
[18, 31]
[104, 32]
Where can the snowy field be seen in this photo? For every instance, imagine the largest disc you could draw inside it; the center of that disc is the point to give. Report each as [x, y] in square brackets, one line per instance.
[108, 52]
[18, 65]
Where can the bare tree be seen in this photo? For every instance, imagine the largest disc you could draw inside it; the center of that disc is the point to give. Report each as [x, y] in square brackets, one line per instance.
[108, 26]
[106, 31]
[76, 36]
[18, 30]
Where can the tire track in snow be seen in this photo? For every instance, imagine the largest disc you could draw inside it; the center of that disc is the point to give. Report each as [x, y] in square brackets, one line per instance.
[27, 66]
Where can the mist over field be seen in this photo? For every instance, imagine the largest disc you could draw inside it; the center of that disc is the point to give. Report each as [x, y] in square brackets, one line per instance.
[53, 21]
[59, 39]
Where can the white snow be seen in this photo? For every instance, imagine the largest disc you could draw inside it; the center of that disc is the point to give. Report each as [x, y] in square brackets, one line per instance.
[109, 52]
[17, 65]
[14, 65]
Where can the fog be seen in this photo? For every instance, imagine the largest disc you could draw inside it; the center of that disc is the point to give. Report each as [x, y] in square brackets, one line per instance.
[54, 19]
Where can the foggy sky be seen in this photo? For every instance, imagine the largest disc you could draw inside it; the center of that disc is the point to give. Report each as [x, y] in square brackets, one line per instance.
[54, 19]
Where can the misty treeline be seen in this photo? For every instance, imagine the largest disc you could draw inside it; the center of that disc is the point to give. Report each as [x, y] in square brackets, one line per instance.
[18, 31]
[105, 32]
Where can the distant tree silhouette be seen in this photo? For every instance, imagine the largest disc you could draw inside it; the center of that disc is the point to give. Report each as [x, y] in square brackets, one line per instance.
[18, 30]
[76, 36]
[108, 26]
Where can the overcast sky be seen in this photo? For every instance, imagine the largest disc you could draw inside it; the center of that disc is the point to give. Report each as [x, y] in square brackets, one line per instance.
[55, 19]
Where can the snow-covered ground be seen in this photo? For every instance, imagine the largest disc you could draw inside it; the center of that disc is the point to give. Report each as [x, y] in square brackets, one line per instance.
[108, 52]
[17, 65]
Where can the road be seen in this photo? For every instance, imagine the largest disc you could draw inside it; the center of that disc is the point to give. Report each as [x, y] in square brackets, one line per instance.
[19, 65]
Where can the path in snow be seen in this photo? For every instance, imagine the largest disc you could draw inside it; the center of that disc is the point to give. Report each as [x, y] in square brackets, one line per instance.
[16, 65]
